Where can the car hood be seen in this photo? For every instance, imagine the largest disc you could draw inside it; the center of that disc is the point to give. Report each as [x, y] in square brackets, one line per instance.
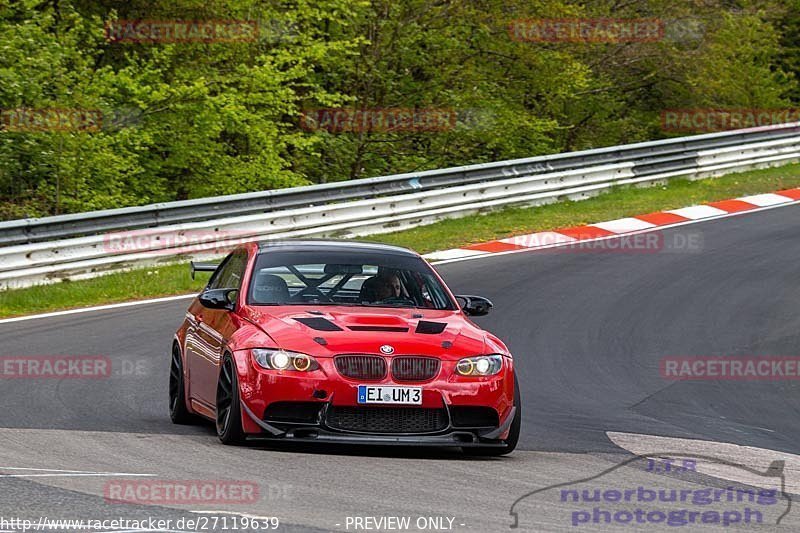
[328, 331]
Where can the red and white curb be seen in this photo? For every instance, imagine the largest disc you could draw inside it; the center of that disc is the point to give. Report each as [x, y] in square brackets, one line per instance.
[621, 226]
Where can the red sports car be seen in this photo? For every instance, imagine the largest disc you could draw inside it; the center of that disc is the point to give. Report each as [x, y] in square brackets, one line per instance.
[336, 341]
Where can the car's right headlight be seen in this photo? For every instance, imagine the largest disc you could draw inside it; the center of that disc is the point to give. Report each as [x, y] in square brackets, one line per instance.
[481, 365]
[277, 359]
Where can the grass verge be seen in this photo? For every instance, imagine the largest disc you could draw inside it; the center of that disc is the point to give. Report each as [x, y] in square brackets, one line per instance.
[169, 280]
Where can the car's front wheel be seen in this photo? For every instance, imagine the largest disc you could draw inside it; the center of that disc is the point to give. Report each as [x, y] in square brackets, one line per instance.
[229, 412]
[513, 432]
[177, 390]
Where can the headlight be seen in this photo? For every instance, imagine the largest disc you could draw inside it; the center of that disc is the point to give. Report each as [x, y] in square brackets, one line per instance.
[482, 365]
[283, 360]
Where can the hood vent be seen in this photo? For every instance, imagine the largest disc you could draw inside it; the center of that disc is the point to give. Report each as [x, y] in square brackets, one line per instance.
[393, 329]
[318, 323]
[430, 328]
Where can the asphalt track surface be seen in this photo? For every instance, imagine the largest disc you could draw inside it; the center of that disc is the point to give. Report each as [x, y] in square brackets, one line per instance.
[587, 330]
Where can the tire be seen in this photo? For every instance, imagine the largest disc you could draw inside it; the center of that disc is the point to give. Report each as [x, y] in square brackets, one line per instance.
[229, 409]
[178, 411]
[513, 432]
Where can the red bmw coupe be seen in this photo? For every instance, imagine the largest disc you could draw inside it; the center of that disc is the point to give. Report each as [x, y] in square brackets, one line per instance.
[336, 341]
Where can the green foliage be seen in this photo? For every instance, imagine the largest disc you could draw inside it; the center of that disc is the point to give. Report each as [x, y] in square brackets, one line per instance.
[192, 119]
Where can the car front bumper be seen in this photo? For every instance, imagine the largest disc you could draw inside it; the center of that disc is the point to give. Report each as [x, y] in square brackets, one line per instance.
[320, 431]
[324, 392]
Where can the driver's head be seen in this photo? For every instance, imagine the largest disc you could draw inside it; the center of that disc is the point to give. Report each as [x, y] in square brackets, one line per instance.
[389, 287]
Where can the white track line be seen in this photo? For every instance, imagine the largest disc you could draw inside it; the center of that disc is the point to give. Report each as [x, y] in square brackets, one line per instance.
[98, 308]
[52, 472]
[109, 474]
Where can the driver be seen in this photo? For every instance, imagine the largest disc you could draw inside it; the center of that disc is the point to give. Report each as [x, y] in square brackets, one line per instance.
[381, 287]
[388, 288]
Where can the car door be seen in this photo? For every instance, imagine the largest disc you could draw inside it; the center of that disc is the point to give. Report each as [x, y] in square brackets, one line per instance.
[211, 328]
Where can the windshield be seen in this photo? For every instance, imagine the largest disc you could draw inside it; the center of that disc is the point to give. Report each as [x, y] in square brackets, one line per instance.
[345, 278]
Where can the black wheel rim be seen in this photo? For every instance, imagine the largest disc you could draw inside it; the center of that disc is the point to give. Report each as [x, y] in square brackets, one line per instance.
[175, 379]
[224, 397]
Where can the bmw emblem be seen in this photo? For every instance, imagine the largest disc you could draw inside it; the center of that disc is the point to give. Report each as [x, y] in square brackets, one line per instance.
[387, 350]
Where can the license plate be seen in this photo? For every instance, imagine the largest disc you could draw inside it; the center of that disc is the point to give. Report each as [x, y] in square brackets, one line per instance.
[395, 395]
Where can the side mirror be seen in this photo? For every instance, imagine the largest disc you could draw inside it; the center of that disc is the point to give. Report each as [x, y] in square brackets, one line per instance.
[219, 298]
[475, 305]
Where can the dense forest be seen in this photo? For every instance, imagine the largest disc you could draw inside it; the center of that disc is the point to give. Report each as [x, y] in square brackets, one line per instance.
[108, 104]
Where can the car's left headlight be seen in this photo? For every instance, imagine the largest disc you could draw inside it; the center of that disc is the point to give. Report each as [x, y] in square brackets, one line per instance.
[276, 359]
[481, 365]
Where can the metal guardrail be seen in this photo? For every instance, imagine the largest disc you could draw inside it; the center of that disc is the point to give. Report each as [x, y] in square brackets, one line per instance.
[88, 244]
[650, 157]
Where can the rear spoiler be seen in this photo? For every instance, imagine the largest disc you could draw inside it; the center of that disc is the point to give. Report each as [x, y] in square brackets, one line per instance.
[202, 267]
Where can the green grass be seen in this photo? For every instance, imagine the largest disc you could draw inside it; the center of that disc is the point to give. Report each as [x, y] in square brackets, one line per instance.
[138, 284]
[167, 280]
